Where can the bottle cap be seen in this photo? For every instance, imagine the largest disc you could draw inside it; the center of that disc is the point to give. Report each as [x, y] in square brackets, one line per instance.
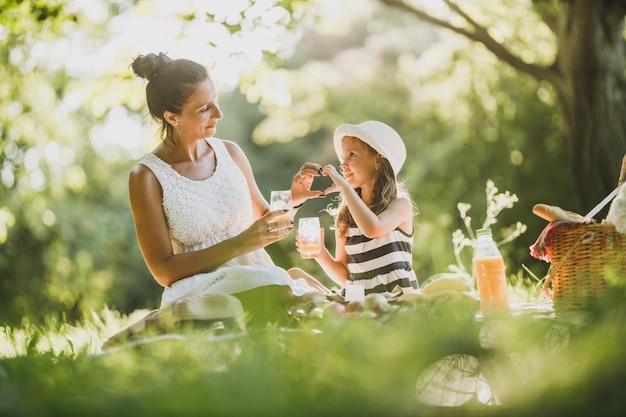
[483, 232]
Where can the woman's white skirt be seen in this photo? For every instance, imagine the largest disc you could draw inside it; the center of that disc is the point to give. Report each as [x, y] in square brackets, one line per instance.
[232, 280]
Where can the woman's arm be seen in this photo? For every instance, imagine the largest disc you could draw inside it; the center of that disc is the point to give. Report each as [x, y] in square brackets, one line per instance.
[154, 238]
[259, 204]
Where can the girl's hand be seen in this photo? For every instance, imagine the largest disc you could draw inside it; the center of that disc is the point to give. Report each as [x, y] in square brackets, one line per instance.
[338, 180]
[302, 183]
[321, 240]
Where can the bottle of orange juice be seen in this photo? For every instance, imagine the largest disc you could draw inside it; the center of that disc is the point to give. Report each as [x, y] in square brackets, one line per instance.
[490, 273]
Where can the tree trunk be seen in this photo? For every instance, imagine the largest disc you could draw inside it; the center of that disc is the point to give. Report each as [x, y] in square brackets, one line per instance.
[592, 89]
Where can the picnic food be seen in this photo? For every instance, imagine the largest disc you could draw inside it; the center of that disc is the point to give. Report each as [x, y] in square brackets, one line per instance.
[461, 299]
[354, 306]
[555, 213]
[445, 283]
[335, 308]
[377, 303]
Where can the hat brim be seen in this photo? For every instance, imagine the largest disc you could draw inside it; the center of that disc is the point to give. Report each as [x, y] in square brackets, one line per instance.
[357, 132]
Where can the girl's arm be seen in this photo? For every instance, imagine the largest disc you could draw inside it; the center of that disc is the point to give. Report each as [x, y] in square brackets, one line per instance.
[399, 213]
[336, 268]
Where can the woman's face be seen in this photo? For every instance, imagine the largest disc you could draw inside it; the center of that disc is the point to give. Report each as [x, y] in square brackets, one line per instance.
[199, 116]
[359, 163]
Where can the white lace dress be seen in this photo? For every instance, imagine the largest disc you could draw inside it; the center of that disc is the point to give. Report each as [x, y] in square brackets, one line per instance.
[202, 213]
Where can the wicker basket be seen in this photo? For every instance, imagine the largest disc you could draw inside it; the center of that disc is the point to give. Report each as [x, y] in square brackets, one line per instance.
[583, 257]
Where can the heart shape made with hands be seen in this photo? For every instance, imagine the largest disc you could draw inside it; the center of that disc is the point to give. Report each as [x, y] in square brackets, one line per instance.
[303, 185]
[326, 182]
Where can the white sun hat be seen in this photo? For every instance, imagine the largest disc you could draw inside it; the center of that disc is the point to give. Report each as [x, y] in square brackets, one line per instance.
[383, 138]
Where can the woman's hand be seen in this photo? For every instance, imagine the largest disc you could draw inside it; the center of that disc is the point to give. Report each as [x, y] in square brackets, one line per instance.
[268, 229]
[302, 183]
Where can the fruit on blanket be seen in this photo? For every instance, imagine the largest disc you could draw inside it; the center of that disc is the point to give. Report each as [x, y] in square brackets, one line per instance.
[335, 309]
[554, 213]
[444, 284]
[414, 298]
[377, 303]
[367, 314]
[354, 306]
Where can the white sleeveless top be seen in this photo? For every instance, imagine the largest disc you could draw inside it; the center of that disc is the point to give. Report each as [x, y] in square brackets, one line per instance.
[201, 213]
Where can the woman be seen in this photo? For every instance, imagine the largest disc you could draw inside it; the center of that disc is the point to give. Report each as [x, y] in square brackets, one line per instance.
[200, 219]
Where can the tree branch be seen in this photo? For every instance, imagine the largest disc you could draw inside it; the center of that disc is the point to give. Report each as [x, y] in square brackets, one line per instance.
[547, 10]
[478, 34]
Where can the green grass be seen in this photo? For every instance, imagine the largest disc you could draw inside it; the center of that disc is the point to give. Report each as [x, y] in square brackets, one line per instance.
[406, 361]
[434, 356]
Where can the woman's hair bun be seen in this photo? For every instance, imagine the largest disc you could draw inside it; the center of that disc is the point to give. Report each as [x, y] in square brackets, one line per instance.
[147, 66]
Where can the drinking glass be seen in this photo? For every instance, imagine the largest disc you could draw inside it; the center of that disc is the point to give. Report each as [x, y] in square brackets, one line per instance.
[281, 200]
[309, 237]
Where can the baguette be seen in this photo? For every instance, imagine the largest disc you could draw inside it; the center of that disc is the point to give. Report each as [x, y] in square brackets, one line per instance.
[554, 213]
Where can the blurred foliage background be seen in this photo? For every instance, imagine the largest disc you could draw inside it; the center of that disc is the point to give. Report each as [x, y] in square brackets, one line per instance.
[73, 123]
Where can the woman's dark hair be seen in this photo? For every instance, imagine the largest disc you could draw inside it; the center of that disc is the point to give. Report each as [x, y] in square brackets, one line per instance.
[170, 84]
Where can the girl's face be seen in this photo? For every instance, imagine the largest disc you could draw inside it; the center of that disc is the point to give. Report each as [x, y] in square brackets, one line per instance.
[199, 117]
[359, 164]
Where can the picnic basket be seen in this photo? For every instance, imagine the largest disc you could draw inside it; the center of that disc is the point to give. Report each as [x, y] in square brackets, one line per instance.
[587, 261]
[584, 260]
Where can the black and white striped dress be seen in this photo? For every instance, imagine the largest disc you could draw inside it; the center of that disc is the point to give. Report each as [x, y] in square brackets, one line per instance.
[383, 264]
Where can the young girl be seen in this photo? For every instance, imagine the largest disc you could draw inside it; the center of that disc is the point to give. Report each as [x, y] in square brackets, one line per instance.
[374, 221]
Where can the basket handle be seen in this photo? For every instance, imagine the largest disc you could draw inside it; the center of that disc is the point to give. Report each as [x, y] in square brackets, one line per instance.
[584, 238]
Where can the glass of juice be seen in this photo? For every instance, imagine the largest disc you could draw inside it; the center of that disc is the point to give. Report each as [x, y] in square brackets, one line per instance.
[281, 200]
[309, 237]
